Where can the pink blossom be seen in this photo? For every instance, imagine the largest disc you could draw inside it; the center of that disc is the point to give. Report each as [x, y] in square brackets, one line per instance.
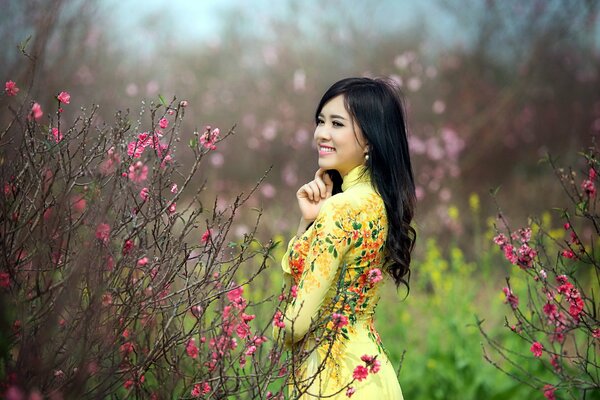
[555, 361]
[234, 295]
[183, 103]
[536, 349]
[339, 320]
[576, 308]
[278, 320]
[144, 193]
[10, 88]
[135, 149]
[350, 391]
[206, 236]
[36, 111]
[550, 309]
[191, 348]
[510, 254]
[526, 256]
[562, 279]
[375, 275]
[591, 174]
[107, 299]
[201, 389]
[549, 392]
[64, 97]
[127, 246]
[588, 187]
[108, 166]
[251, 350]
[174, 188]
[209, 138]
[58, 136]
[78, 203]
[375, 366]
[138, 172]
[126, 348]
[510, 298]
[103, 232]
[567, 226]
[294, 291]
[243, 330]
[360, 373]
[163, 123]
[196, 390]
[500, 240]
[172, 208]
[568, 254]
[4, 279]
[142, 261]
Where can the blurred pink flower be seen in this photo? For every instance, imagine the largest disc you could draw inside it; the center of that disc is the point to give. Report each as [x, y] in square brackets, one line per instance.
[163, 123]
[510, 298]
[144, 193]
[103, 232]
[536, 349]
[4, 279]
[191, 349]
[57, 135]
[206, 236]
[350, 391]
[142, 261]
[339, 320]
[360, 372]
[64, 97]
[183, 103]
[36, 111]
[549, 392]
[172, 208]
[10, 88]
[278, 320]
[138, 172]
[174, 188]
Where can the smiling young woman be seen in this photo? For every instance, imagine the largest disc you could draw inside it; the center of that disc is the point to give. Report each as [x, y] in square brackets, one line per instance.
[353, 234]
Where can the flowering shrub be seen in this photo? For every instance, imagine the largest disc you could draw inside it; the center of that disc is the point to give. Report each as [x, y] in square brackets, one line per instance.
[116, 279]
[559, 275]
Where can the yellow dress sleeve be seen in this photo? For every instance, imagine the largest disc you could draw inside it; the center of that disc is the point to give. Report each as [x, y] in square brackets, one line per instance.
[331, 239]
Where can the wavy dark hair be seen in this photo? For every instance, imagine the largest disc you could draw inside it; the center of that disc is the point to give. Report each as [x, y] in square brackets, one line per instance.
[376, 107]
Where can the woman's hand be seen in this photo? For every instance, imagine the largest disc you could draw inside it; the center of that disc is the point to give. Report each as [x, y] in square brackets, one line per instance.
[312, 195]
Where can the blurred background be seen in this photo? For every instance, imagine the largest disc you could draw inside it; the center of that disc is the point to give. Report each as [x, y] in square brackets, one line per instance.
[491, 88]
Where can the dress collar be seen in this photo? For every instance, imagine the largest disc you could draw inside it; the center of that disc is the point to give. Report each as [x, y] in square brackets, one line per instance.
[357, 175]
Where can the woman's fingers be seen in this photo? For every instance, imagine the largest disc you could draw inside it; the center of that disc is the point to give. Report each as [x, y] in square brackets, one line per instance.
[328, 184]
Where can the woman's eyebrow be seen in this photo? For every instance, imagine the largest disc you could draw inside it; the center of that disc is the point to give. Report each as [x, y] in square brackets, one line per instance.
[332, 116]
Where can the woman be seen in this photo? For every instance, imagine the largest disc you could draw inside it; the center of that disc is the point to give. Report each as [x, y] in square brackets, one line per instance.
[354, 232]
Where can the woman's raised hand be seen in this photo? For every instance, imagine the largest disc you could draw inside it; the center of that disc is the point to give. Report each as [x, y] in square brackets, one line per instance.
[312, 195]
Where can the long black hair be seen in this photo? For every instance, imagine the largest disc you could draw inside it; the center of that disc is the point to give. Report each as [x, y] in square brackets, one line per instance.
[376, 107]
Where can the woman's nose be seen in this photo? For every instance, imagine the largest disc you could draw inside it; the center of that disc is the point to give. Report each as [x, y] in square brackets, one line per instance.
[322, 133]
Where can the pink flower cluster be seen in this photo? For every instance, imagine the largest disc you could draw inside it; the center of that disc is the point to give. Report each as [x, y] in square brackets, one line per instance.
[372, 365]
[588, 185]
[235, 320]
[511, 298]
[201, 389]
[536, 349]
[144, 140]
[10, 88]
[64, 97]
[108, 166]
[339, 320]
[210, 137]
[524, 255]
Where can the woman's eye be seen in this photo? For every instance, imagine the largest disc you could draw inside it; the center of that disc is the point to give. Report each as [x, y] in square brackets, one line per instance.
[320, 122]
[336, 123]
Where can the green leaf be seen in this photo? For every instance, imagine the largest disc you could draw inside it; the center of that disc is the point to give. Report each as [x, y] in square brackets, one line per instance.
[162, 100]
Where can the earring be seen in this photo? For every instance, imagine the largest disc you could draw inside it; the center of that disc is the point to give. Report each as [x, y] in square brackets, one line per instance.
[366, 156]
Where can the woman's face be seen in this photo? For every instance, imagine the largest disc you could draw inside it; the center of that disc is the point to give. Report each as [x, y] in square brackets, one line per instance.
[340, 142]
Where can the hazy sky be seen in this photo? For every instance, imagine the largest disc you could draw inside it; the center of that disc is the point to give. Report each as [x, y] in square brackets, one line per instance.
[200, 20]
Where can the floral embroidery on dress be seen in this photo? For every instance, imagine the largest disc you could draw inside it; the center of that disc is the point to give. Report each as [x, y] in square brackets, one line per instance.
[337, 265]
